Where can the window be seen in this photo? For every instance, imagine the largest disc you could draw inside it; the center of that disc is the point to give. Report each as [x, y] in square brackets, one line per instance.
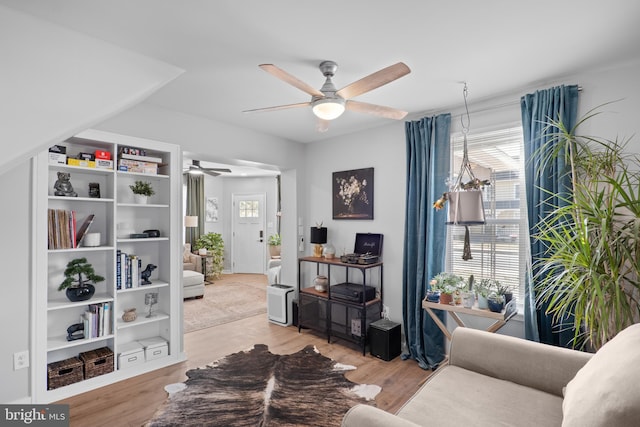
[249, 209]
[499, 248]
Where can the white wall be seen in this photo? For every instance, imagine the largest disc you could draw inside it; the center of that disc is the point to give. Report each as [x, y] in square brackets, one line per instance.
[56, 82]
[15, 256]
[383, 149]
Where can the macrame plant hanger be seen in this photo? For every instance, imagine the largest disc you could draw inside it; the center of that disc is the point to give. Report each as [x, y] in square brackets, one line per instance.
[466, 206]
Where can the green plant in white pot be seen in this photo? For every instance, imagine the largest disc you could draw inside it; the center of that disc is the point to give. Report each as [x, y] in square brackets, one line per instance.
[214, 245]
[590, 272]
[275, 242]
[142, 190]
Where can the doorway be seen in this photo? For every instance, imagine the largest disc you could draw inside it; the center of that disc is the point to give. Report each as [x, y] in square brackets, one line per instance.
[248, 233]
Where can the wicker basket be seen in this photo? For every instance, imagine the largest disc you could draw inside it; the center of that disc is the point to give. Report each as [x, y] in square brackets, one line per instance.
[97, 362]
[64, 372]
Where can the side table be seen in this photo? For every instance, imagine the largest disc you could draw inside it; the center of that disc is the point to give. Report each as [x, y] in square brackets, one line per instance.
[501, 318]
[203, 259]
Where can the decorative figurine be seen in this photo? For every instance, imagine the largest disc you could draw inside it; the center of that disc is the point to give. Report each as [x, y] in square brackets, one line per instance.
[94, 190]
[146, 273]
[75, 332]
[63, 186]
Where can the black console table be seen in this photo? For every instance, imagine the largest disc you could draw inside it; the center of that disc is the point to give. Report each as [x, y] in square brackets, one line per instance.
[333, 316]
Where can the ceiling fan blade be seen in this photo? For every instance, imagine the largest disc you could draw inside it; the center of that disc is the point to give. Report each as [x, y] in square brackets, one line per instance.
[375, 80]
[209, 172]
[279, 107]
[288, 78]
[378, 110]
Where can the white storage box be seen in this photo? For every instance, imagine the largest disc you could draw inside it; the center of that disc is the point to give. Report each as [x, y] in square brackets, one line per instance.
[131, 354]
[57, 158]
[155, 348]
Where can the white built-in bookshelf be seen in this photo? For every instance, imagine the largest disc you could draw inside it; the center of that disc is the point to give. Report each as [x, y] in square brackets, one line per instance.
[116, 217]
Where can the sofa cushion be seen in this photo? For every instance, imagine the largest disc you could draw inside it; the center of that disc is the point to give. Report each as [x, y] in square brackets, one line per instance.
[455, 396]
[605, 390]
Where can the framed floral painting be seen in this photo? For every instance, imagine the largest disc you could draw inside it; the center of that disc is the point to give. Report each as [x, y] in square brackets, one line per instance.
[353, 194]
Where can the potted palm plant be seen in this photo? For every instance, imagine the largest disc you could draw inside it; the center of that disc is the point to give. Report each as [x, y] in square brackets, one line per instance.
[590, 272]
[79, 278]
[142, 190]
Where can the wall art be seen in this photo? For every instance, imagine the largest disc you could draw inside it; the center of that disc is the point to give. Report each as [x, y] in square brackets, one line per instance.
[353, 194]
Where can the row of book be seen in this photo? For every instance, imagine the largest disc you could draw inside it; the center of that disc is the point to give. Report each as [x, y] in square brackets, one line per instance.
[97, 320]
[128, 270]
[62, 229]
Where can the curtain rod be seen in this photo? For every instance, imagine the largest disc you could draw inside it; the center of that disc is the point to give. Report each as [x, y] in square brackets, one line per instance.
[487, 108]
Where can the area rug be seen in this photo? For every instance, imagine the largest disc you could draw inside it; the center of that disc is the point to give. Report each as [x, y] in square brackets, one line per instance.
[230, 298]
[259, 388]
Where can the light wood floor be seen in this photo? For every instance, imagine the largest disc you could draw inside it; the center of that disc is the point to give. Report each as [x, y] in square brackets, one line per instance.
[133, 402]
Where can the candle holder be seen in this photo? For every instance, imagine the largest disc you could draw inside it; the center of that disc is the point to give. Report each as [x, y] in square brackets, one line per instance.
[150, 299]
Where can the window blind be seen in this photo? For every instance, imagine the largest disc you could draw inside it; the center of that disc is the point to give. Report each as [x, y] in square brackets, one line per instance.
[498, 248]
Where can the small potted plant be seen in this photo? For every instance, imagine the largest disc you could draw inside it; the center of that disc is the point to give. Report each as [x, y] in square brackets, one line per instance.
[142, 190]
[78, 277]
[274, 245]
[447, 284]
[483, 289]
[495, 302]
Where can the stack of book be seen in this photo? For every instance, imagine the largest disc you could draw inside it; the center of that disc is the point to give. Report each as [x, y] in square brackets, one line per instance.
[63, 232]
[128, 270]
[97, 320]
[136, 160]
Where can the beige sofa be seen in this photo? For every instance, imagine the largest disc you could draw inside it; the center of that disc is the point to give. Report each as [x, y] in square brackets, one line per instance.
[496, 380]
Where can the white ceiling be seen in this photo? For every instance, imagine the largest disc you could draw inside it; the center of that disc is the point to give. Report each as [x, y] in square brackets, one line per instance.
[497, 46]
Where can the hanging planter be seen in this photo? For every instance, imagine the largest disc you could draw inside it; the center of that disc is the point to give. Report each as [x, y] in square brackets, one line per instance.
[465, 198]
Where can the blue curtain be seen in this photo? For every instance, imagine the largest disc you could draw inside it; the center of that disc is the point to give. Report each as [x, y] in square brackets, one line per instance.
[425, 234]
[558, 104]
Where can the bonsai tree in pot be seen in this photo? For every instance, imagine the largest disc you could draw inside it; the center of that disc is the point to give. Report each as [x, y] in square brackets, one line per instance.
[142, 190]
[214, 245]
[275, 241]
[590, 271]
[79, 276]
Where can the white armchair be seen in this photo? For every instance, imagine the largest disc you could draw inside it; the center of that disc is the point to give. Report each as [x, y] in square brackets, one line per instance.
[191, 261]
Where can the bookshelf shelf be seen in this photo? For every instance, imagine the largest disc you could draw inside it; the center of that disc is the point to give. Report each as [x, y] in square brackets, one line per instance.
[53, 312]
[141, 319]
[80, 199]
[145, 288]
[61, 343]
[58, 303]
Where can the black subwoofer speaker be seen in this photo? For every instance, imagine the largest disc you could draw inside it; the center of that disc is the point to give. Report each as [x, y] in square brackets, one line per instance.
[384, 339]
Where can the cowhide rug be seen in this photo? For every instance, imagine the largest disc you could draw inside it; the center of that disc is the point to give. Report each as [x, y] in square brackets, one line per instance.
[259, 388]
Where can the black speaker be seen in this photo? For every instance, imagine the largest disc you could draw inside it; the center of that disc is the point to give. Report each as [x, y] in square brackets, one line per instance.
[384, 339]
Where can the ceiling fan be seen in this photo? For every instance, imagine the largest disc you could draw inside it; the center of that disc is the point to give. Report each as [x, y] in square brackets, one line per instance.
[195, 167]
[328, 103]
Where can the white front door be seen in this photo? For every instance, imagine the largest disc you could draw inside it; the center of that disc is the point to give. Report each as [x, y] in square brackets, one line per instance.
[249, 233]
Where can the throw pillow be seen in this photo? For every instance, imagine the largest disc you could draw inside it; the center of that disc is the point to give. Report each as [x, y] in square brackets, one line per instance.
[605, 390]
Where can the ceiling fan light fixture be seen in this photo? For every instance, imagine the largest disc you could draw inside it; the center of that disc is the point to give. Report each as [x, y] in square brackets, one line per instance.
[328, 108]
[195, 171]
